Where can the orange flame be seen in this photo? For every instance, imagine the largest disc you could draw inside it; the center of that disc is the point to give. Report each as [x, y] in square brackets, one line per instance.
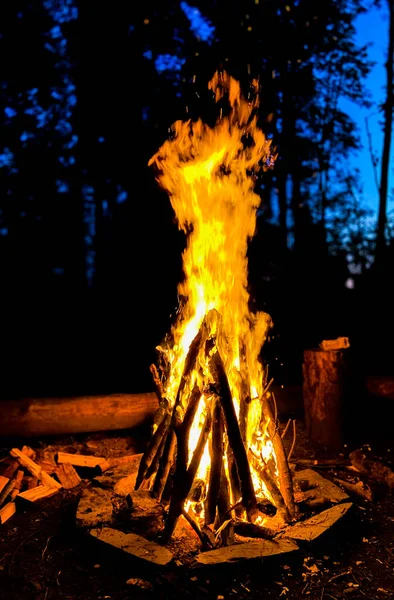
[208, 173]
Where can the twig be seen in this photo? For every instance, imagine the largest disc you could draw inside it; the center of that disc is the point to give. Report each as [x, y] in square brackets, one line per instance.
[294, 440]
[341, 574]
[286, 428]
[203, 537]
[46, 547]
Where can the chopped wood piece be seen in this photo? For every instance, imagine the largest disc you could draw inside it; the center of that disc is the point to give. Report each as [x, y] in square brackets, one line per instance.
[34, 494]
[34, 469]
[6, 490]
[29, 452]
[8, 467]
[68, 476]
[29, 482]
[7, 512]
[360, 489]
[26, 462]
[47, 466]
[3, 482]
[373, 468]
[79, 460]
[249, 550]
[17, 484]
[133, 544]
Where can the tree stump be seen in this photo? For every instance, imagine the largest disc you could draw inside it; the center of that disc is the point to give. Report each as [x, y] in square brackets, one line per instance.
[325, 388]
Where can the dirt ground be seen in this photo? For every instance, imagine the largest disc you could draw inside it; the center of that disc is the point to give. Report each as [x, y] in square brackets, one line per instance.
[43, 556]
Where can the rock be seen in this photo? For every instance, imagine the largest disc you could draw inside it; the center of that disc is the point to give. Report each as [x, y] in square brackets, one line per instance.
[125, 486]
[133, 544]
[141, 584]
[94, 508]
[315, 486]
[313, 528]
[109, 479]
[249, 550]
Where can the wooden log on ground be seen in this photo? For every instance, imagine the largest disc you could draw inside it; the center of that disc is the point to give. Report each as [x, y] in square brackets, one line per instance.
[325, 390]
[41, 491]
[7, 512]
[374, 469]
[68, 476]
[79, 460]
[31, 417]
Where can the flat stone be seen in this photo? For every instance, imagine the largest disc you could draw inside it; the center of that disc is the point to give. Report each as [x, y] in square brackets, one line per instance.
[94, 508]
[249, 550]
[109, 479]
[311, 529]
[133, 544]
[318, 486]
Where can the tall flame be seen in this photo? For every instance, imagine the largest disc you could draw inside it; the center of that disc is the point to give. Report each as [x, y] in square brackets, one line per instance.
[209, 174]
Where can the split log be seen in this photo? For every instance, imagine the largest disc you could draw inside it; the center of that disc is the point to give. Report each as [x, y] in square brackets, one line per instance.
[7, 512]
[79, 460]
[374, 469]
[8, 467]
[359, 489]
[3, 482]
[31, 417]
[17, 484]
[41, 491]
[325, 391]
[6, 491]
[34, 469]
[68, 476]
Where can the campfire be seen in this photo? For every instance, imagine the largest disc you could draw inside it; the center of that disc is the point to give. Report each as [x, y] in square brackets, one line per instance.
[216, 456]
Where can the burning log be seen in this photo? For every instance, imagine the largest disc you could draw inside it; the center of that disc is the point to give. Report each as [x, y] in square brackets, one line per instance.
[285, 481]
[31, 417]
[215, 474]
[184, 478]
[234, 437]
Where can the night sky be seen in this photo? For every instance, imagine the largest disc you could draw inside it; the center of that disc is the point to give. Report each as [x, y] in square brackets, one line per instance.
[372, 30]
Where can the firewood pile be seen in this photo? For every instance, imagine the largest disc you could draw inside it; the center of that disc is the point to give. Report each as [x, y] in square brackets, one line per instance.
[26, 479]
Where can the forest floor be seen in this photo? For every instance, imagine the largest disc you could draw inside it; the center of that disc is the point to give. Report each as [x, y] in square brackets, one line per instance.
[44, 556]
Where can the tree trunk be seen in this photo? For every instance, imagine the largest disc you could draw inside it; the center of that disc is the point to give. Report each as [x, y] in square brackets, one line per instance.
[387, 132]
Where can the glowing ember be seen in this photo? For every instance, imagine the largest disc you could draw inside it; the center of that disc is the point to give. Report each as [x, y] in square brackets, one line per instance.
[212, 378]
